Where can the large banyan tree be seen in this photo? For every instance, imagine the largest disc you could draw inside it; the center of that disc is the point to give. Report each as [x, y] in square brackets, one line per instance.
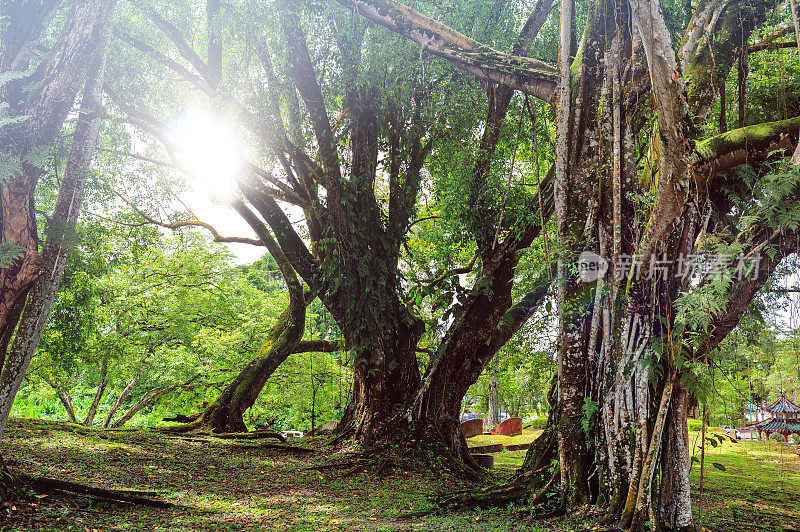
[354, 104]
[692, 226]
[345, 129]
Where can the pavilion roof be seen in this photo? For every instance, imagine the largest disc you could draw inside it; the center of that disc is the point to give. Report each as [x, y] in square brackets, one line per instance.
[783, 426]
[783, 405]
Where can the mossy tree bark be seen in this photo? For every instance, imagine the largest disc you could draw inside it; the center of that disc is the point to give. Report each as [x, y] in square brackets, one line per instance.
[35, 106]
[607, 339]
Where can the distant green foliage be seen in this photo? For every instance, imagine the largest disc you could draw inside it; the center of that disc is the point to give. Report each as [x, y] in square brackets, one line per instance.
[537, 424]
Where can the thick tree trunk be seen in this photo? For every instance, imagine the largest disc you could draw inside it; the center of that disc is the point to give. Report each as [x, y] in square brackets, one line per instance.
[484, 326]
[469, 345]
[385, 375]
[19, 228]
[573, 384]
[533, 480]
[80, 52]
[675, 505]
[494, 396]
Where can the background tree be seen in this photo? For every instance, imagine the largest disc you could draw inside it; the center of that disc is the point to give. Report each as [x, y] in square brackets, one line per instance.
[37, 93]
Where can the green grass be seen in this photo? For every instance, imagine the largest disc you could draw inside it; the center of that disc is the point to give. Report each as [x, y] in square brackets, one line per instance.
[506, 461]
[759, 488]
[225, 486]
[527, 436]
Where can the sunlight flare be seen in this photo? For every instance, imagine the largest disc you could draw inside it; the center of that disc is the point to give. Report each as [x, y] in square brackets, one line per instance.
[207, 148]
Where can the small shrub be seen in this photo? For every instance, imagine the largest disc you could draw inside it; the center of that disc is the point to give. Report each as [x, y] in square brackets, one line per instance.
[537, 424]
[695, 424]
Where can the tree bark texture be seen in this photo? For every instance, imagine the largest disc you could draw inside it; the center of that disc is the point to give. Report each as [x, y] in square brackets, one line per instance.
[77, 59]
[611, 419]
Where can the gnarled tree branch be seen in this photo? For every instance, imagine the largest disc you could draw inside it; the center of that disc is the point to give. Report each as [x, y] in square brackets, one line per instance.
[530, 76]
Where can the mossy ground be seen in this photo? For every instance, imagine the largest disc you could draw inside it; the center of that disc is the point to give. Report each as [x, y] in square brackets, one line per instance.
[226, 486]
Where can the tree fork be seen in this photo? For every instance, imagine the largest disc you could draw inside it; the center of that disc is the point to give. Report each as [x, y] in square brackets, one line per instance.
[531, 482]
[225, 415]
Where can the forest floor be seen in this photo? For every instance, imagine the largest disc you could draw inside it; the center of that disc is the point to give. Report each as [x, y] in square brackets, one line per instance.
[221, 485]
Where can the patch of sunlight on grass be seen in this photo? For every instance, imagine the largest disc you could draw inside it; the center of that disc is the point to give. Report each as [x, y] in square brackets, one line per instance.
[509, 460]
[525, 437]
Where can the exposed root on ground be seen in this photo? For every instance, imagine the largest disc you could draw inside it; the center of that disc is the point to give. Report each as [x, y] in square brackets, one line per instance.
[8, 483]
[254, 435]
[519, 490]
[248, 437]
[196, 433]
[279, 447]
[181, 418]
[381, 459]
[531, 483]
[376, 462]
[40, 483]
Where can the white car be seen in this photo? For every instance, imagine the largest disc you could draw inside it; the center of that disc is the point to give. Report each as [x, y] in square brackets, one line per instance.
[731, 431]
